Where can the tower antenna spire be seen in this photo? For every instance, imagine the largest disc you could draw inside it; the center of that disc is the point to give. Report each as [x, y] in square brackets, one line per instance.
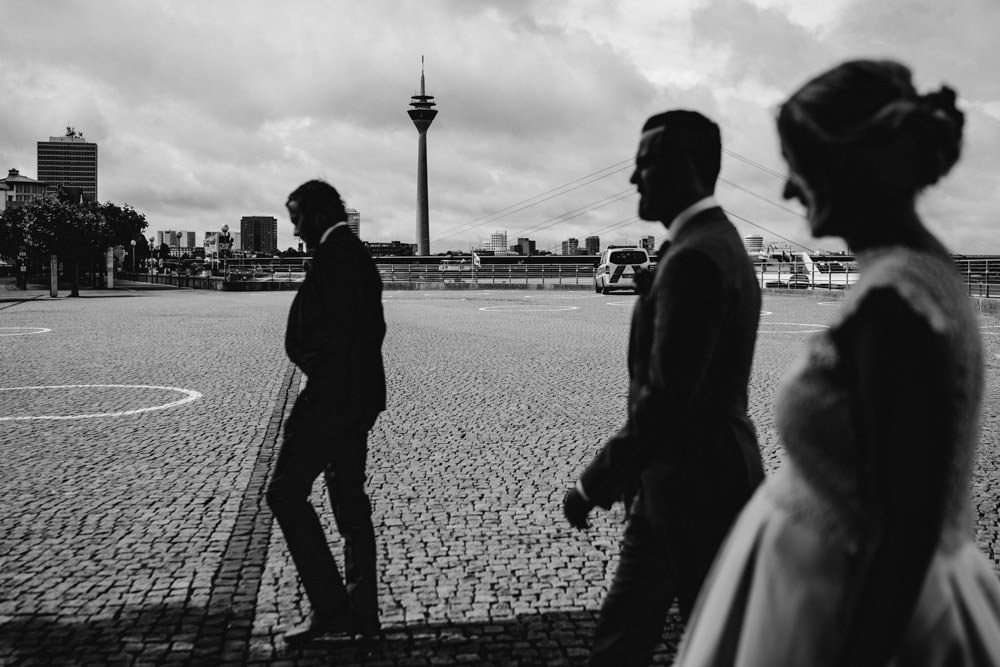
[422, 114]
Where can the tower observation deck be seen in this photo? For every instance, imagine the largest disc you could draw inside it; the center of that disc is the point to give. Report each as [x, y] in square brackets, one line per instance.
[422, 114]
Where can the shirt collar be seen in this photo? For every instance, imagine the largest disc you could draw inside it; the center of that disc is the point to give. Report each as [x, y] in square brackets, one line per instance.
[691, 211]
[330, 231]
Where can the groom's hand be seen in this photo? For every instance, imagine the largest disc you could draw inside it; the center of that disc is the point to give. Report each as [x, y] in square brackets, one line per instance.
[576, 508]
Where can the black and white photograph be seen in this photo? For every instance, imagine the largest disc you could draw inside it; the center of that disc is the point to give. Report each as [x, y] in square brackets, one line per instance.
[500, 332]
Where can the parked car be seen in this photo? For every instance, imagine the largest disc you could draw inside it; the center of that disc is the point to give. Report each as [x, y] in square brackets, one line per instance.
[791, 281]
[617, 268]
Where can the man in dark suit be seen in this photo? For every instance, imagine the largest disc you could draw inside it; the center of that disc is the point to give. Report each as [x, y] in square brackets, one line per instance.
[687, 444]
[335, 332]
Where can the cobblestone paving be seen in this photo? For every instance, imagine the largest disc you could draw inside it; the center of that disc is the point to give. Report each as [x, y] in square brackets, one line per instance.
[144, 539]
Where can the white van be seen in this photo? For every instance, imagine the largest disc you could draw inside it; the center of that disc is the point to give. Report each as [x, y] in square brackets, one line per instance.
[617, 269]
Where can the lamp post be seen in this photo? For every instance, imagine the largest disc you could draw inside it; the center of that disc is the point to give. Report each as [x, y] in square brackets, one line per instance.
[222, 244]
[133, 255]
[152, 264]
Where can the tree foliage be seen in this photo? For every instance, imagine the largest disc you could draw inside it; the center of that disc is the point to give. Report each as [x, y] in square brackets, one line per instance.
[74, 232]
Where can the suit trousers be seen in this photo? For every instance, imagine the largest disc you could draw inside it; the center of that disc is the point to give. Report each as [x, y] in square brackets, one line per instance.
[316, 443]
[650, 575]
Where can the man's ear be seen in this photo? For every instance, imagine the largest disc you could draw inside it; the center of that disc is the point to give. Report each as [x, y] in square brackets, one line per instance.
[693, 182]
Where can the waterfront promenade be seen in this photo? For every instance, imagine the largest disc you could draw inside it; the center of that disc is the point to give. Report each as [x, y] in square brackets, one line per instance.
[138, 426]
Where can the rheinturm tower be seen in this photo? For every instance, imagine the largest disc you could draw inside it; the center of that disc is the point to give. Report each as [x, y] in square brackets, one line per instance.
[422, 114]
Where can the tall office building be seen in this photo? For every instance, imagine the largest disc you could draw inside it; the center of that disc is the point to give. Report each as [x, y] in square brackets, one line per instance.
[169, 237]
[525, 246]
[354, 221]
[69, 162]
[259, 233]
[593, 245]
[497, 244]
[571, 247]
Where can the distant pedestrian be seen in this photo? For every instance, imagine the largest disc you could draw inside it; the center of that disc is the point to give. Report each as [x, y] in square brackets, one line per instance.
[335, 332]
[687, 443]
[861, 550]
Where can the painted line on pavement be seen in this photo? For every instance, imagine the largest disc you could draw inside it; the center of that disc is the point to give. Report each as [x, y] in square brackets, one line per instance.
[558, 296]
[190, 395]
[527, 309]
[812, 328]
[37, 330]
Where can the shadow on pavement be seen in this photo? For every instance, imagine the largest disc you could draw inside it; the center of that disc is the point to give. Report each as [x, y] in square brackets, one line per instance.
[551, 638]
[176, 634]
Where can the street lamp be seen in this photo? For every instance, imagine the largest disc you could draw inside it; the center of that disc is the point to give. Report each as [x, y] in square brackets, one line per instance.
[222, 244]
[133, 255]
[152, 240]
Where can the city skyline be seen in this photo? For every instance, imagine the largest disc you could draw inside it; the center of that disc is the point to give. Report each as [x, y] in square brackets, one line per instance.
[543, 106]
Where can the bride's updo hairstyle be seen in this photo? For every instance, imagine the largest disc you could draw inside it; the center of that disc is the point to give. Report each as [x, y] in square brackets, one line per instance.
[865, 119]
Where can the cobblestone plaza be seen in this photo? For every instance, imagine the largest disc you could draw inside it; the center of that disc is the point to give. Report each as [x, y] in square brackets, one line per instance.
[138, 427]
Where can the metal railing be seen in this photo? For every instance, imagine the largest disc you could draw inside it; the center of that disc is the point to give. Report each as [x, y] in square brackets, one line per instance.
[489, 274]
[981, 275]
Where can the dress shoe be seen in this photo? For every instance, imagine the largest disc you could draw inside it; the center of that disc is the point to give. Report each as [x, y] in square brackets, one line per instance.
[318, 626]
[367, 627]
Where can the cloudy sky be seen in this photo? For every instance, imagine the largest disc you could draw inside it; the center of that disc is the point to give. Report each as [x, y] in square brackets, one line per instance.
[208, 111]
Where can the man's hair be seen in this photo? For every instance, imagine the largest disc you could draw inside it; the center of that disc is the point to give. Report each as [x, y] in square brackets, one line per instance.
[694, 134]
[318, 200]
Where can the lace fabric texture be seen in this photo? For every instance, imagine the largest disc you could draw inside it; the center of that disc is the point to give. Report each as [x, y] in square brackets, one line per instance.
[815, 410]
[781, 589]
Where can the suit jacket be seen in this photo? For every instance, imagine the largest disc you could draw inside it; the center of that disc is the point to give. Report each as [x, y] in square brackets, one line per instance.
[688, 443]
[336, 328]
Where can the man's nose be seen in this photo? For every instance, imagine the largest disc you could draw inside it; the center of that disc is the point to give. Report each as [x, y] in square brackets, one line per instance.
[634, 178]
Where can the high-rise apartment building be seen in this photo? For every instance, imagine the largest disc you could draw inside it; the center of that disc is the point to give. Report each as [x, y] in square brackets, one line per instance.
[69, 162]
[497, 245]
[175, 239]
[354, 221]
[167, 236]
[592, 244]
[259, 233]
[571, 246]
[754, 244]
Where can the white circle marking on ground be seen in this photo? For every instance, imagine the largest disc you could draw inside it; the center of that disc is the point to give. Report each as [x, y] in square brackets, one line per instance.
[558, 296]
[810, 328]
[190, 395]
[527, 309]
[35, 330]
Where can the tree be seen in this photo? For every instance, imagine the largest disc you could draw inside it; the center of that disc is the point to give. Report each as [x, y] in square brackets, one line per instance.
[48, 226]
[124, 223]
[76, 232]
[14, 234]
